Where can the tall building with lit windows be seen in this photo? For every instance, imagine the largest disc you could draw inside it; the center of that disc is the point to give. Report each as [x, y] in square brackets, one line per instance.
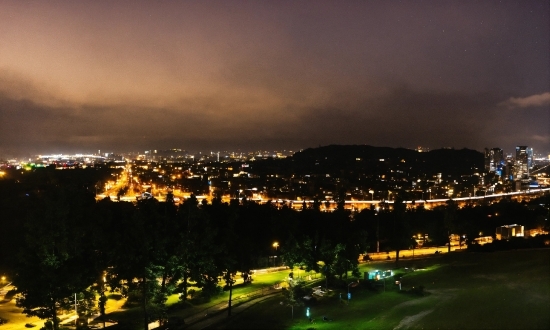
[524, 158]
[494, 160]
[530, 158]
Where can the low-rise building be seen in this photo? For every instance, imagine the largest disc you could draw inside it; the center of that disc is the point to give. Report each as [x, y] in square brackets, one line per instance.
[509, 231]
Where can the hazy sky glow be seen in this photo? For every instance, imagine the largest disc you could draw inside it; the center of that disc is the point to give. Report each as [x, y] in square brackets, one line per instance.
[216, 75]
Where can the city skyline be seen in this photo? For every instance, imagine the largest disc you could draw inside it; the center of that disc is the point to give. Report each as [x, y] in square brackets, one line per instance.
[538, 154]
[238, 153]
[125, 76]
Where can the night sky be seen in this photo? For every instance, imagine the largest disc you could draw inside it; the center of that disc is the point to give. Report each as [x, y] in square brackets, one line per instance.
[83, 76]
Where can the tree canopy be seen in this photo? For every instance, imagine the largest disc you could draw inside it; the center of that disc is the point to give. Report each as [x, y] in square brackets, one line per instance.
[58, 241]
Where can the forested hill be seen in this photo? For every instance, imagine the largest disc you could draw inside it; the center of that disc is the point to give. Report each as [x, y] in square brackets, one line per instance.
[369, 159]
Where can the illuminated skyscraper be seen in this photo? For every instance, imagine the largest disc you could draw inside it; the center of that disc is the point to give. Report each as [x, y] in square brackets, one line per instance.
[529, 158]
[524, 157]
[494, 160]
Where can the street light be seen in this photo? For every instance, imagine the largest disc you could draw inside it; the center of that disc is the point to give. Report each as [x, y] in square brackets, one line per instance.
[275, 245]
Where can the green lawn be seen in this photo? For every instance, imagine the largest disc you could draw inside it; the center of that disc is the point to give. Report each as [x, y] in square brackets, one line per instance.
[500, 290]
[131, 317]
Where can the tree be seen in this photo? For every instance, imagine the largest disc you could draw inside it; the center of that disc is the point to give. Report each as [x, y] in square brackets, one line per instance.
[54, 264]
[320, 257]
[294, 293]
[197, 248]
[136, 257]
[229, 281]
[401, 233]
[450, 220]
[292, 253]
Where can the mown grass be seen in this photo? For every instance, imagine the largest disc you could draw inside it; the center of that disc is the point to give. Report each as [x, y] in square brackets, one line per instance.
[131, 318]
[500, 290]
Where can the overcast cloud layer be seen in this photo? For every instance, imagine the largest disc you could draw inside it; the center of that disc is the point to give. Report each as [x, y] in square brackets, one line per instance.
[130, 76]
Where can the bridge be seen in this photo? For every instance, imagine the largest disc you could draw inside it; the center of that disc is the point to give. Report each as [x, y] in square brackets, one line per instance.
[358, 205]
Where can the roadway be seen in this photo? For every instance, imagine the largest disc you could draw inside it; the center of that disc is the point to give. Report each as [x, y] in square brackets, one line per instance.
[9, 311]
[357, 205]
[412, 253]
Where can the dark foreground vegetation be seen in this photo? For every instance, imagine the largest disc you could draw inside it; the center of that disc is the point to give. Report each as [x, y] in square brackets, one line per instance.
[57, 240]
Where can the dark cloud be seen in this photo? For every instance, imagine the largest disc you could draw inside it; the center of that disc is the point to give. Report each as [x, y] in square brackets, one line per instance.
[266, 75]
[402, 117]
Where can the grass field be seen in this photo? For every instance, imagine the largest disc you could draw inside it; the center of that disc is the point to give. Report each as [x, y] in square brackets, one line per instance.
[500, 290]
[130, 318]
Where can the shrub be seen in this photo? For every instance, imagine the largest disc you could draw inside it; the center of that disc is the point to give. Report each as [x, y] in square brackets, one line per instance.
[210, 290]
[9, 295]
[418, 290]
[134, 297]
[191, 293]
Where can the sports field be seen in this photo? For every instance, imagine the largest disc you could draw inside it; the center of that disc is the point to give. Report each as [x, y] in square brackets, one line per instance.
[499, 290]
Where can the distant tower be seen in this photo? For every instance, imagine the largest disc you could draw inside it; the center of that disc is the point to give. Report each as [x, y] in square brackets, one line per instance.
[522, 162]
[529, 158]
[494, 160]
